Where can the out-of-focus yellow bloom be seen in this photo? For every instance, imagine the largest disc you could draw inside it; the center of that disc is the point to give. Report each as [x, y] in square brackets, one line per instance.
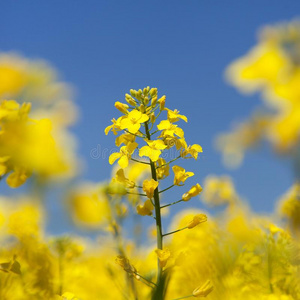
[289, 206]
[193, 191]
[149, 186]
[174, 116]
[124, 155]
[197, 219]
[132, 121]
[219, 190]
[153, 150]
[273, 68]
[146, 209]
[25, 221]
[203, 290]
[89, 206]
[180, 175]
[69, 296]
[27, 146]
[163, 256]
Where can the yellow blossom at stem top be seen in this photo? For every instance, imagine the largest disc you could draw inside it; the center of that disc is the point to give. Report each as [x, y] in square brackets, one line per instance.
[149, 186]
[124, 155]
[180, 175]
[153, 150]
[163, 256]
[193, 191]
[132, 121]
[145, 209]
[203, 290]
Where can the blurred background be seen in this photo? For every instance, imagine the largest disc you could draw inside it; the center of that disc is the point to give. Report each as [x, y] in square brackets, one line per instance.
[102, 49]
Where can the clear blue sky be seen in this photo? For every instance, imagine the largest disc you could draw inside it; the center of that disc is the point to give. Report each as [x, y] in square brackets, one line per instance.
[105, 48]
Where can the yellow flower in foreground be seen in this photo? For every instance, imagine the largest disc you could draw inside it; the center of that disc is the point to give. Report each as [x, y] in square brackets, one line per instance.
[169, 129]
[149, 186]
[180, 175]
[69, 296]
[197, 219]
[163, 256]
[162, 169]
[146, 209]
[153, 150]
[17, 178]
[124, 155]
[114, 127]
[194, 191]
[203, 290]
[174, 116]
[133, 121]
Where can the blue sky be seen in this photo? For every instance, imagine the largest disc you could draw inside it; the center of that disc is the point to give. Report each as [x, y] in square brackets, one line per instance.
[105, 48]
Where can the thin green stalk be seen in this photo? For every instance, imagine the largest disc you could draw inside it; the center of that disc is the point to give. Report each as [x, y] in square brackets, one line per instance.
[166, 188]
[139, 161]
[172, 232]
[184, 297]
[168, 162]
[157, 210]
[172, 203]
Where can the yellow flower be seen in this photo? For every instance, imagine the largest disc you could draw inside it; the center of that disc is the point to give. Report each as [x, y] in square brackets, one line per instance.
[174, 116]
[146, 209]
[149, 186]
[163, 256]
[132, 121]
[124, 155]
[180, 175]
[162, 170]
[169, 129]
[194, 191]
[192, 150]
[203, 290]
[125, 139]
[197, 219]
[124, 262]
[114, 127]
[153, 150]
[17, 178]
[120, 178]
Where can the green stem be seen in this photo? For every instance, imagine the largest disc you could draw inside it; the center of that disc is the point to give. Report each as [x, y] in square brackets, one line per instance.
[166, 188]
[141, 162]
[157, 211]
[184, 297]
[172, 203]
[172, 232]
[168, 162]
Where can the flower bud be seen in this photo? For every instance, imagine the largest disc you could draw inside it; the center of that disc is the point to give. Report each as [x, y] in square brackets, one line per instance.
[153, 92]
[162, 102]
[142, 108]
[145, 91]
[200, 218]
[152, 118]
[154, 101]
[203, 290]
[130, 100]
[146, 100]
[121, 107]
[133, 93]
